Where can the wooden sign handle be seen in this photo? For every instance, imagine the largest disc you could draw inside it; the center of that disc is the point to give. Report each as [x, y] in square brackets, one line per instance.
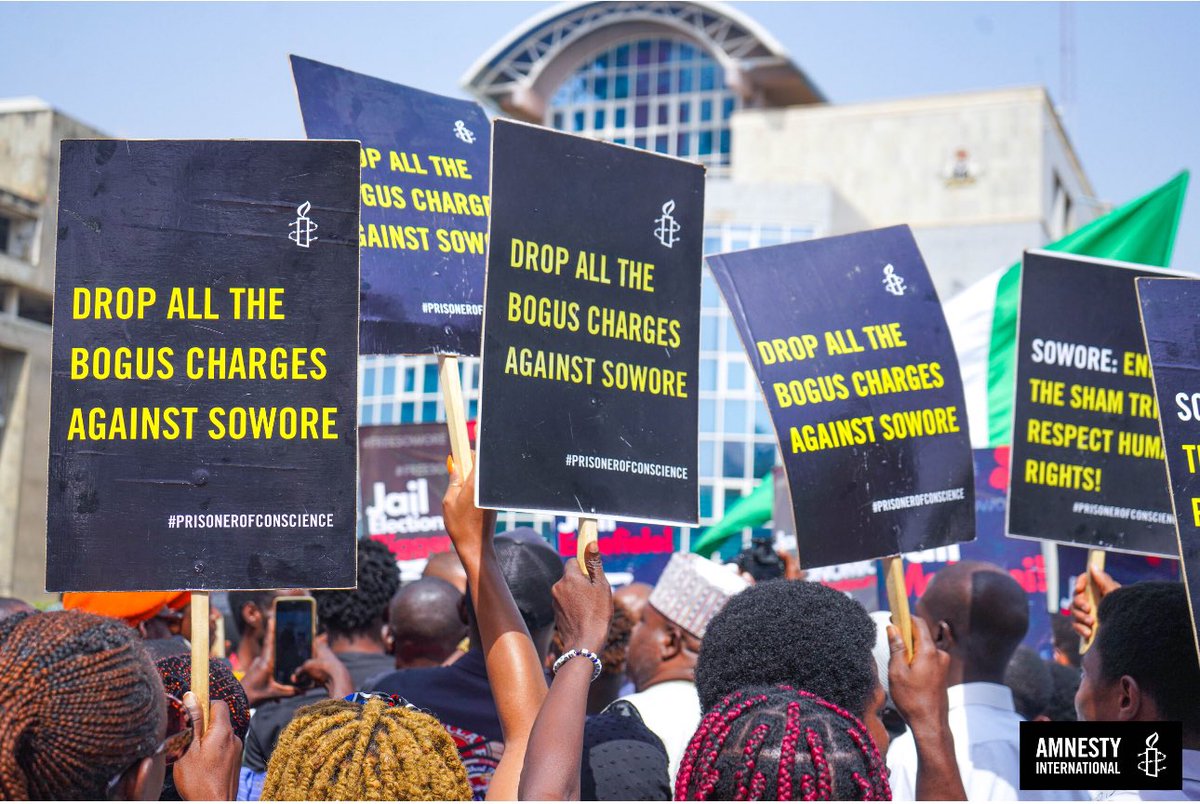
[1096, 560]
[587, 535]
[893, 568]
[200, 609]
[456, 414]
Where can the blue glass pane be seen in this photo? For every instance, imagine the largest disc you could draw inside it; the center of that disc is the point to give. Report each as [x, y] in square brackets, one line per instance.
[386, 414]
[663, 83]
[709, 327]
[643, 84]
[623, 56]
[431, 378]
[664, 50]
[724, 140]
[410, 379]
[664, 114]
[712, 244]
[368, 382]
[681, 145]
[686, 52]
[734, 464]
[705, 111]
[705, 143]
[735, 416]
[708, 375]
[685, 80]
[735, 375]
[710, 297]
[388, 387]
[643, 52]
[707, 464]
[708, 416]
[660, 144]
[473, 409]
[598, 120]
[578, 121]
[619, 114]
[641, 116]
[601, 87]
[639, 142]
[600, 62]
[621, 87]
[726, 108]
[708, 77]
[762, 419]
[619, 140]
[558, 120]
[407, 413]
[706, 501]
[429, 411]
[764, 458]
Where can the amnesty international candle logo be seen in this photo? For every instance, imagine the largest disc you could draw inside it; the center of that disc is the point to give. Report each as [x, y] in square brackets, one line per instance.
[1101, 756]
[463, 133]
[668, 228]
[303, 227]
[893, 283]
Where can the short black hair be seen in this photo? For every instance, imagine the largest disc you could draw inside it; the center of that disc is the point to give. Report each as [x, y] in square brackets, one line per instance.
[1146, 633]
[238, 600]
[797, 633]
[1028, 677]
[1062, 700]
[357, 611]
[1064, 637]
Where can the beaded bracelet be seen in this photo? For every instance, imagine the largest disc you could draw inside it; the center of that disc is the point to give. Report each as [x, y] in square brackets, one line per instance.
[597, 666]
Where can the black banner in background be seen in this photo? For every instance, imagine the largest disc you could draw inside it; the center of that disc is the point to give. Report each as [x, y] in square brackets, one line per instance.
[1169, 321]
[202, 422]
[591, 329]
[851, 349]
[425, 205]
[1125, 755]
[1087, 458]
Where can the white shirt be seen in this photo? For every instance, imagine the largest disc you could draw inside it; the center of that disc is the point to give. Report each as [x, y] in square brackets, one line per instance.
[1190, 791]
[672, 711]
[986, 744]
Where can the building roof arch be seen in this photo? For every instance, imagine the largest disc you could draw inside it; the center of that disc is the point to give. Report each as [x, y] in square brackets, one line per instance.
[521, 72]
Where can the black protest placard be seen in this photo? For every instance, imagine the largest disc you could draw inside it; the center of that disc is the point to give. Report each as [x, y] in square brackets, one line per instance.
[1173, 344]
[591, 329]
[202, 423]
[851, 349]
[1087, 460]
[425, 205]
[403, 473]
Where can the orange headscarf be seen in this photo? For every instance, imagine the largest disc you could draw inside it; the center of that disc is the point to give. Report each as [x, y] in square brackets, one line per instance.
[134, 608]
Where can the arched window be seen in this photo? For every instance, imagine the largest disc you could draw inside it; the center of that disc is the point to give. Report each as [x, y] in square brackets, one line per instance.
[663, 94]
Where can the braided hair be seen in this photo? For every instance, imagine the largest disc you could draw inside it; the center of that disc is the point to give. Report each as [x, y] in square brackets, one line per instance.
[353, 612]
[781, 744]
[80, 701]
[341, 751]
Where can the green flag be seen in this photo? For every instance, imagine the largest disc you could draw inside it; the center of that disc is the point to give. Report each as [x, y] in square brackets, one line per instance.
[748, 512]
[1142, 231]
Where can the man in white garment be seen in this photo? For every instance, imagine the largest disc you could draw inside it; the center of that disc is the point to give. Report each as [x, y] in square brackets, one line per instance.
[1142, 667]
[978, 614]
[665, 643]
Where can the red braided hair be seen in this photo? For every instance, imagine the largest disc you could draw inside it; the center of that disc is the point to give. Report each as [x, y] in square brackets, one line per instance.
[789, 745]
[80, 701]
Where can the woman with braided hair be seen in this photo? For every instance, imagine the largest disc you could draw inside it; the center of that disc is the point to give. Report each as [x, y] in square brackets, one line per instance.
[82, 709]
[780, 744]
[379, 750]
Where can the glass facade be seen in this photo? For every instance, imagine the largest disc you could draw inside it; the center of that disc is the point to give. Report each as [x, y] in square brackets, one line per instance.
[659, 94]
[666, 95]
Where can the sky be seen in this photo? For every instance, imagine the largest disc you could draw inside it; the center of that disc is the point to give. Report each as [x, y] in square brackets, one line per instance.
[216, 70]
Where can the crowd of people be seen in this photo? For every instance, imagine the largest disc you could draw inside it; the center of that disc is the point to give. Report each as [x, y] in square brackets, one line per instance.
[506, 673]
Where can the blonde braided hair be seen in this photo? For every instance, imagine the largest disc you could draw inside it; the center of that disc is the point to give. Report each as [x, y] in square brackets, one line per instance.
[341, 751]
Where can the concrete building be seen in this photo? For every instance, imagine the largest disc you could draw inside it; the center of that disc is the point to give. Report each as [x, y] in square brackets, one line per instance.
[979, 176]
[30, 131]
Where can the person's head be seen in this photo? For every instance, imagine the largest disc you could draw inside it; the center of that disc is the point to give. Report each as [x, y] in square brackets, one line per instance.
[978, 614]
[425, 623]
[666, 640]
[622, 759]
[354, 618]
[1064, 639]
[176, 672]
[1028, 676]
[779, 744]
[341, 751]
[447, 567]
[155, 615]
[530, 567]
[798, 633]
[251, 612]
[1142, 663]
[11, 605]
[633, 598]
[82, 709]
[1062, 699]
